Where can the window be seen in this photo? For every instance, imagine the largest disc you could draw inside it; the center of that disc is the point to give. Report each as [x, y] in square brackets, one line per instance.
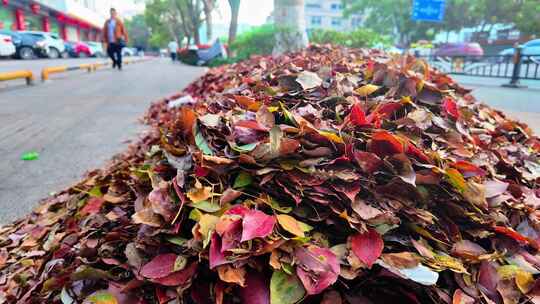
[356, 21]
[336, 21]
[313, 5]
[336, 6]
[316, 20]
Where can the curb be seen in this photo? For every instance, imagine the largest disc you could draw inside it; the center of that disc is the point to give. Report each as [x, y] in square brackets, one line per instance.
[28, 75]
[90, 67]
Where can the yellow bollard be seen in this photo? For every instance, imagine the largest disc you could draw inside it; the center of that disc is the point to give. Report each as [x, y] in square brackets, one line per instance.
[46, 71]
[18, 75]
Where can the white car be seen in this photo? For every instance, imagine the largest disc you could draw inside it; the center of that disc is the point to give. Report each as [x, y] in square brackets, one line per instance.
[55, 44]
[127, 51]
[96, 48]
[7, 48]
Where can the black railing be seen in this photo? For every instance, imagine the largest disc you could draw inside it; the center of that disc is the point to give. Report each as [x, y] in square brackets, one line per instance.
[515, 66]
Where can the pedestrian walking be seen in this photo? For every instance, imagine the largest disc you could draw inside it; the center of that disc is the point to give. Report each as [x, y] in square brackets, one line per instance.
[173, 48]
[115, 37]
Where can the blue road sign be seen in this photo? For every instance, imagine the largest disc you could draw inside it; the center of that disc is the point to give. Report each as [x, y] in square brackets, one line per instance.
[428, 10]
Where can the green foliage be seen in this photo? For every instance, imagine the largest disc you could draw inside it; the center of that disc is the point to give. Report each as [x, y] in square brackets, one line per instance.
[259, 40]
[138, 31]
[528, 18]
[358, 38]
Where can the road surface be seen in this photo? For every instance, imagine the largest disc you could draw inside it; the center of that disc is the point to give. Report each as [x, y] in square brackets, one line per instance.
[76, 124]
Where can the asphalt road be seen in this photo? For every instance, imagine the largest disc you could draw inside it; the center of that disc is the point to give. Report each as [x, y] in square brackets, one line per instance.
[76, 124]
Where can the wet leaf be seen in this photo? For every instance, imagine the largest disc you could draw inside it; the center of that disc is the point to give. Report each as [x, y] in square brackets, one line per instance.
[257, 224]
[308, 80]
[243, 179]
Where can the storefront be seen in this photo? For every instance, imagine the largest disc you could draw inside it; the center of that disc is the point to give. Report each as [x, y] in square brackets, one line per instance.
[28, 15]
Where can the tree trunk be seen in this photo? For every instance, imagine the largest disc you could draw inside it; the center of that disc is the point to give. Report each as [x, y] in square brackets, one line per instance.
[233, 26]
[290, 25]
[208, 8]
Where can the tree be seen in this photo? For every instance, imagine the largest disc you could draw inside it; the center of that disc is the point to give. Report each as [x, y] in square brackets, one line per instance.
[164, 22]
[392, 17]
[290, 25]
[233, 26]
[208, 7]
[528, 18]
[191, 16]
[138, 31]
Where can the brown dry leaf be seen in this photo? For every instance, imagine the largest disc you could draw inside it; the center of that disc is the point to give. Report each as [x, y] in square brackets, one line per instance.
[230, 274]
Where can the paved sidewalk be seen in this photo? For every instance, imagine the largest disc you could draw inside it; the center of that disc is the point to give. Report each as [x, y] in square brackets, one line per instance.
[76, 124]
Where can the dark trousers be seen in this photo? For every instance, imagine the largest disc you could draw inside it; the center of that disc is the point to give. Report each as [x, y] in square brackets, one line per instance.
[173, 56]
[115, 53]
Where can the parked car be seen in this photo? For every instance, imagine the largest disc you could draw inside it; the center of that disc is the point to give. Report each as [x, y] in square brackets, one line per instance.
[96, 49]
[27, 46]
[529, 48]
[127, 51]
[7, 48]
[78, 49]
[55, 44]
[460, 49]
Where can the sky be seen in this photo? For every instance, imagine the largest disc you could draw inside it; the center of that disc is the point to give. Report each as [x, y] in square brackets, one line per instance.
[252, 12]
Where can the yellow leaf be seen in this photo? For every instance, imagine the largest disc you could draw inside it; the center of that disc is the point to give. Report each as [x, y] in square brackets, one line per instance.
[524, 281]
[456, 179]
[332, 136]
[366, 90]
[200, 194]
[207, 224]
[290, 224]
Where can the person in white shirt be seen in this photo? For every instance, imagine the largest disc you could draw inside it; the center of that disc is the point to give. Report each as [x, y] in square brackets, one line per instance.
[173, 48]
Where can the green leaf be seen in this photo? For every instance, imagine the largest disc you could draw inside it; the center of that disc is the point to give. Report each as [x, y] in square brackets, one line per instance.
[177, 240]
[206, 206]
[101, 297]
[95, 191]
[32, 155]
[179, 263]
[275, 205]
[243, 179]
[201, 142]
[195, 215]
[285, 289]
[244, 148]
[456, 179]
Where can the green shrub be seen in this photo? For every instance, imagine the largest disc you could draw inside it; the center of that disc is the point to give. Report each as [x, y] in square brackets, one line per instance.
[358, 38]
[259, 40]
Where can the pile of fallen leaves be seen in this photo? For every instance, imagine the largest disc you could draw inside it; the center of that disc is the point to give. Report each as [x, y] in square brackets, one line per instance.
[331, 175]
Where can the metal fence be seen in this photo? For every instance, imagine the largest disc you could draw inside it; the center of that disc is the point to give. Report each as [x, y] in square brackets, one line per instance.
[516, 67]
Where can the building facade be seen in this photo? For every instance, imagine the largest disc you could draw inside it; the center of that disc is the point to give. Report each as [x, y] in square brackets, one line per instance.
[73, 20]
[328, 14]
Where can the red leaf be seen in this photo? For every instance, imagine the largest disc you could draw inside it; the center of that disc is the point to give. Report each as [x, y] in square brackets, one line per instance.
[216, 257]
[92, 206]
[368, 162]
[251, 124]
[468, 169]
[257, 224]
[387, 109]
[357, 116]
[450, 107]
[367, 246]
[511, 233]
[317, 268]
[178, 277]
[160, 266]
[412, 150]
[201, 171]
[384, 144]
[257, 290]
